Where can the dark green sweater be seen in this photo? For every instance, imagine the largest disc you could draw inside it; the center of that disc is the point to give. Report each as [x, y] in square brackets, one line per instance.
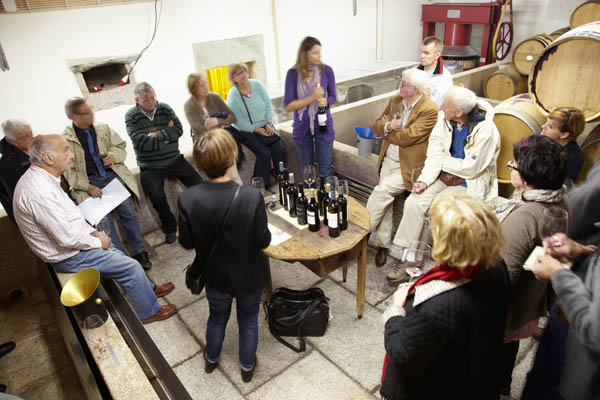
[154, 152]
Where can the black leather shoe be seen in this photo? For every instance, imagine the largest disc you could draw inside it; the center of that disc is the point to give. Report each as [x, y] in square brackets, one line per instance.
[209, 367]
[2, 388]
[170, 237]
[6, 348]
[247, 375]
[143, 259]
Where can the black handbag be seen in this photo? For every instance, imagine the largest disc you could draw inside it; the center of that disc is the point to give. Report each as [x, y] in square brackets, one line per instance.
[297, 313]
[193, 280]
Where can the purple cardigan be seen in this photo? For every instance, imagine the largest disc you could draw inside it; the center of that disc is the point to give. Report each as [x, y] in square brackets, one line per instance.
[301, 128]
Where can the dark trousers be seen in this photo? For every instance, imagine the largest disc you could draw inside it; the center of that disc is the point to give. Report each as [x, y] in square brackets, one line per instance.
[237, 135]
[264, 154]
[509, 356]
[153, 183]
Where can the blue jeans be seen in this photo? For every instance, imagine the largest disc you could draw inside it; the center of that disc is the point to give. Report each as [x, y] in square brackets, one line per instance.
[125, 270]
[247, 315]
[127, 216]
[323, 149]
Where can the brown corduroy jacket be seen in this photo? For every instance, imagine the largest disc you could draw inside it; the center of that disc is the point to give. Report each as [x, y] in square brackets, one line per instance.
[413, 139]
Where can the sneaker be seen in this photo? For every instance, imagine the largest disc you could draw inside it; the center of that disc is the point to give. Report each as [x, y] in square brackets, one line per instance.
[247, 375]
[143, 259]
[170, 237]
[398, 275]
[209, 367]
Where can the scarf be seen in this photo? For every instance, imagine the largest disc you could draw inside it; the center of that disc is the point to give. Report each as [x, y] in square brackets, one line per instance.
[305, 89]
[505, 207]
[442, 272]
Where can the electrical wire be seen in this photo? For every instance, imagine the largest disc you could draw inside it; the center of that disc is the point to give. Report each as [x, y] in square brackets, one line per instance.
[157, 14]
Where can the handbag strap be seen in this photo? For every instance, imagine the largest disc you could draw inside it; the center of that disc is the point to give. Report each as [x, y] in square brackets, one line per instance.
[237, 191]
[244, 101]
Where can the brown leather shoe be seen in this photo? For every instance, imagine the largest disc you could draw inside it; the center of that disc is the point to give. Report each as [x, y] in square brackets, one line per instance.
[381, 256]
[161, 290]
[163, 313]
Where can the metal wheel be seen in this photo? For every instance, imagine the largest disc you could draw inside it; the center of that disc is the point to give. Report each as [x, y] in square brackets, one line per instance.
[503, 40]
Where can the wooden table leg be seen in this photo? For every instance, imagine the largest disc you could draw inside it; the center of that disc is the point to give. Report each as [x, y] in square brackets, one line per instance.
[344, 272]
[361, 279]
[269, 288]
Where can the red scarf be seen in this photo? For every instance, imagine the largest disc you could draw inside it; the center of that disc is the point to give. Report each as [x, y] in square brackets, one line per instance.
[442, 272]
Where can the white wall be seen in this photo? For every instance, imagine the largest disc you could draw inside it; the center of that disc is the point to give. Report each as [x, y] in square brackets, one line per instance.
[37, 44]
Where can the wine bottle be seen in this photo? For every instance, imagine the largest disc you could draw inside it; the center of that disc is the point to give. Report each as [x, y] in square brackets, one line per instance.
[301, 204]
[292, 193]
[322, 196]
[312, 213]
[343, 211]
[322, 117]
[284, 188]
[325, 202]
[333, 215]
[280, 180]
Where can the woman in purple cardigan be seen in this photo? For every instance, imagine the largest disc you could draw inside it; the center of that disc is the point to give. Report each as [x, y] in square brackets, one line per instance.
[310, 84]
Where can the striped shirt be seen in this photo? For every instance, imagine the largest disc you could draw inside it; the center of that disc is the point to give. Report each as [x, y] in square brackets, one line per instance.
[51, 224]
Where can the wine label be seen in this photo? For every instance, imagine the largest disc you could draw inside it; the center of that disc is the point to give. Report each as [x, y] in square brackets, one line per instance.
[332, 220]
[322, 119]
[311, 218]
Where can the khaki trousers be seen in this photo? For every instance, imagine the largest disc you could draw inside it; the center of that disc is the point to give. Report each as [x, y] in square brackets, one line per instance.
[381, 201]
[415, 212]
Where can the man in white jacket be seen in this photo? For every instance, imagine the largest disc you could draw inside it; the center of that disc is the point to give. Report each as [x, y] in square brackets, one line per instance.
[462, 154]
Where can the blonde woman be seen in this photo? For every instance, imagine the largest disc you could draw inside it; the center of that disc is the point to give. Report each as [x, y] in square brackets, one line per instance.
[443, 333]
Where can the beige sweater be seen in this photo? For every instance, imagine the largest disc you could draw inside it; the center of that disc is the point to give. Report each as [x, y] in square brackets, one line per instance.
[196, 117]
[522, 231]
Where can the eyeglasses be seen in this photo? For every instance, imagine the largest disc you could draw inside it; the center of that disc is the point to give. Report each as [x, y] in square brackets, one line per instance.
[83, 113]
[511, 166]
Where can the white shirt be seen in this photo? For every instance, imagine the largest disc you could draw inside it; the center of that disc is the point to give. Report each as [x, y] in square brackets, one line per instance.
[50, 222]
[393, 149]
[439, 84]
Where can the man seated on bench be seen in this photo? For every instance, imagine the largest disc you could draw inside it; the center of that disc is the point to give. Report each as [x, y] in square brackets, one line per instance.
[56, 231]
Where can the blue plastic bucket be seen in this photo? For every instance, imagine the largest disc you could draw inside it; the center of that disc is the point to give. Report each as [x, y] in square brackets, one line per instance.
[365, 140]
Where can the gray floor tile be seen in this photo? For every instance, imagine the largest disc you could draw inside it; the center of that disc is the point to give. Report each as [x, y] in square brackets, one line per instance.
[354, 345]
[201, 385]
[272, 356]
[174, 339]
[314, 377]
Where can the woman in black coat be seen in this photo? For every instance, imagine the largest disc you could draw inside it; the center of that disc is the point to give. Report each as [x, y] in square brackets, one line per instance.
[444, 333]
[238, 267]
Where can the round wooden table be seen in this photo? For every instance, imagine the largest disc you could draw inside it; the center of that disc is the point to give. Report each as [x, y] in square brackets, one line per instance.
[323, 254]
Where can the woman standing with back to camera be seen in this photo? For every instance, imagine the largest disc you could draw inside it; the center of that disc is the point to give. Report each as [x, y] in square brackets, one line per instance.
[310, 85]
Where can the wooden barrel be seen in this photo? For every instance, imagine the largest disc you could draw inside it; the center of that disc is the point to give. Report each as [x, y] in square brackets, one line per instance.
[515, 119]
[585, 13]
[591, 151]
[566, 72]
[527, 51]
[504, 83]
[560, 31]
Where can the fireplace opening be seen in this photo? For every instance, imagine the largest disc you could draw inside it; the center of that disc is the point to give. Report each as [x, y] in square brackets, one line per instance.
[104, 77]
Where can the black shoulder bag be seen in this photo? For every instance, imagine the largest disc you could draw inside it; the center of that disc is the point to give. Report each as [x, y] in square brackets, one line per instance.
[196, 283]
[266, 140]
[297, 313]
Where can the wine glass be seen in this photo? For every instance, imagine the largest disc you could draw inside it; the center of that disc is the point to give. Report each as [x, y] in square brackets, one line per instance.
[395, 111]
[259, 183]
[309, 175]
[416, 258]
[555, 220]
[415, 174]
[92, 321]
[333, 181]
[103, 226]
[342, 187]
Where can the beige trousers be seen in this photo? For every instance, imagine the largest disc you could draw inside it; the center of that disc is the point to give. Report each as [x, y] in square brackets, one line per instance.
[381, 201]
[415, 212]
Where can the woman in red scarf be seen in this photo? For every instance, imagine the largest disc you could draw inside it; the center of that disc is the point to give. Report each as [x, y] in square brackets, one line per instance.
[444, 333]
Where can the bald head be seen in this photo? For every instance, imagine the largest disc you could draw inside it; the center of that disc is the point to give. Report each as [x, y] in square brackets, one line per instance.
[52, 153]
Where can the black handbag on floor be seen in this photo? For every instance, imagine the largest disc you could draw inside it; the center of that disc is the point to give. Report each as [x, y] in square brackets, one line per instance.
[193, 280]
[297, 313]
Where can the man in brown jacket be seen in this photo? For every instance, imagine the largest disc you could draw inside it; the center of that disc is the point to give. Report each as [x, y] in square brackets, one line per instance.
[405, 126]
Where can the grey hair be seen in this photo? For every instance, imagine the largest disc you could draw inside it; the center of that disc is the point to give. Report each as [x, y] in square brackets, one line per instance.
[417, 78]
[142, 88]
[12, 127]
[42, 145]
[463, 98]
[439, 46]
[72, 104]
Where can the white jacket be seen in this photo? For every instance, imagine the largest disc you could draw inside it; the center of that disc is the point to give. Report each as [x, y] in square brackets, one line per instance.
[478, 168]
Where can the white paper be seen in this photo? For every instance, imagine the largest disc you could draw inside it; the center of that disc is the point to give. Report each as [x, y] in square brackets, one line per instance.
[277, 235]
[95, 208]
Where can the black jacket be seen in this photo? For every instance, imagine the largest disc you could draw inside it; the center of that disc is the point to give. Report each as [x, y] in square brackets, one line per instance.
[238, 265]
[13, 165]
[449, 347]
